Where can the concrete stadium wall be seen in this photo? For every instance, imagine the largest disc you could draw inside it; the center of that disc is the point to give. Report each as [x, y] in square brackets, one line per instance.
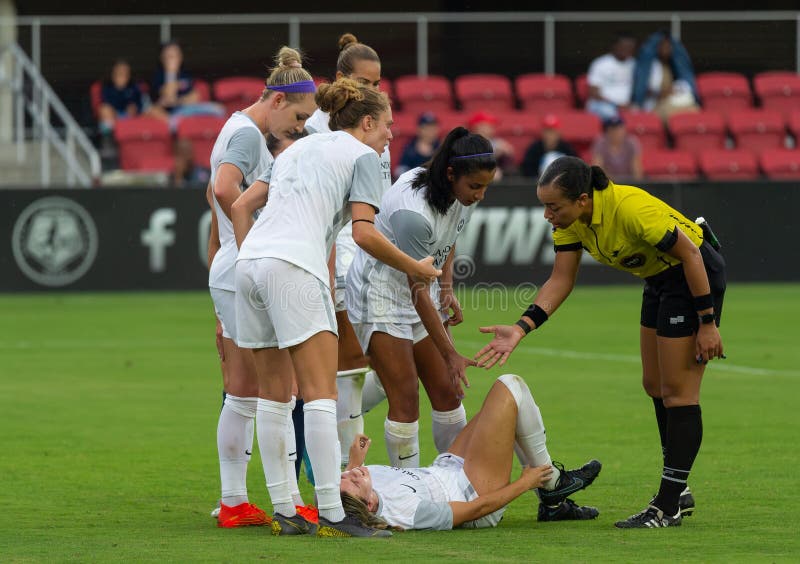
[156, 239]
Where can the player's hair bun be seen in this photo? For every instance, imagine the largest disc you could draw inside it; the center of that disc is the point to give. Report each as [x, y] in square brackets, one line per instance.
[346, 40]
[331, 98]
[288, 57]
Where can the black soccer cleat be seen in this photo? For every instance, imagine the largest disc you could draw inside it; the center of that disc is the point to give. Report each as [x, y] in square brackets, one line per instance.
[569, 482]
[294, 525]
[685, 502]
[567, 510]
[348, 527]
[650, 518]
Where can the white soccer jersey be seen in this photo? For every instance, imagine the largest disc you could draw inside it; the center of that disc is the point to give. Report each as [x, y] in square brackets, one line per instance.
[375, 291]
[241, 144]
[345, 246]
[411, 498]
[312, 185]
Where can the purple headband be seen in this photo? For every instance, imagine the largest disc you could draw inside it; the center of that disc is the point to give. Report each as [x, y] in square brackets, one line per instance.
[472, 156]
[302, 87]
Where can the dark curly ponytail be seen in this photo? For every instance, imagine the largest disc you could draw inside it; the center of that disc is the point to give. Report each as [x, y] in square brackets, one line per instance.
[461, 151]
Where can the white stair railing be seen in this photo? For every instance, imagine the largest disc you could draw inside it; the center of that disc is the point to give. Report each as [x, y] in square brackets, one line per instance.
[33, 96]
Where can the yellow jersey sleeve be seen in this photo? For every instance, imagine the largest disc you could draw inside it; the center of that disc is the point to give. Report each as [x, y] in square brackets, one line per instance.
[566, 240]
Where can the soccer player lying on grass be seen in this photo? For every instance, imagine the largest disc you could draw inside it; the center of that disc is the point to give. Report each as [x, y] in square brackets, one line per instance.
[469, 485]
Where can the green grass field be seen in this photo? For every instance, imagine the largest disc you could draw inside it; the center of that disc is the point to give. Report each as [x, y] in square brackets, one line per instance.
[110, 404]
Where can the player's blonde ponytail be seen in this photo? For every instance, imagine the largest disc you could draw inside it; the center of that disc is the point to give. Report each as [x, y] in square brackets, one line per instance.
[288, 70]
[356, 508]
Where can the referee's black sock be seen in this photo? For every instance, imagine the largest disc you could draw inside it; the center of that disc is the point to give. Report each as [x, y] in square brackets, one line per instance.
[661, 419]
[684, 435]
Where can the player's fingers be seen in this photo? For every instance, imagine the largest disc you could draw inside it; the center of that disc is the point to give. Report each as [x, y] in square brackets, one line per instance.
[490, 329]
[503, 359]
[481, 353]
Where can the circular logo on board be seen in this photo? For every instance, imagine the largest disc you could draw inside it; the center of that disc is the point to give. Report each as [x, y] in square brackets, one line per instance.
[54, 241]
[633, 261]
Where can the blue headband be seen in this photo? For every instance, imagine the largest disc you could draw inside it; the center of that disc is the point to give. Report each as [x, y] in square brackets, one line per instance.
[302, 87]
[473, 156]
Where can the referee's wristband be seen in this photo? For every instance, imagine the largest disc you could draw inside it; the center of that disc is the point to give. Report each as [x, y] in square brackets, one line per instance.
[535, 314]
[703, 302]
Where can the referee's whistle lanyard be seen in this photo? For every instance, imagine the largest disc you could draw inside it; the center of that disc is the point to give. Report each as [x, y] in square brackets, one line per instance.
[597, 241]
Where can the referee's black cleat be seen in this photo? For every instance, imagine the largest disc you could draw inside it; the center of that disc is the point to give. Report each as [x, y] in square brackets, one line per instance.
[650, 518]
[567, 510]
[569, 482]
[294, 525]
[685, 502]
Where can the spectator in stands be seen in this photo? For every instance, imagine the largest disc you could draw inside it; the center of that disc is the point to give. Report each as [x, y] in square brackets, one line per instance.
[173, 89]
[187, 172]
[484, 123]
[547, 149]
[120, 98]
[663, 78]
[618, 153]
[610, 78]
[421, 148]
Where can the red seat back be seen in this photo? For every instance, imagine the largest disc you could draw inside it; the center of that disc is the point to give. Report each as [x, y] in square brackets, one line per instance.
[543, 93]
[781, 164]
[203, 90]
[238, 92]
[418, 94]
[140, 138]
[647, 127]
[757, 129]
[697, 131]
[520, 129]
[582, 90]
[778, 91]
[669, 165]
[724, 91]
[735, 164]
[202, 131]
[579, 129]
[404, 129]
[488, 92]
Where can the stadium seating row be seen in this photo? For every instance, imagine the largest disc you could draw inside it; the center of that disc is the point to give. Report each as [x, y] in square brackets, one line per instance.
[539, 93]
[145, 143]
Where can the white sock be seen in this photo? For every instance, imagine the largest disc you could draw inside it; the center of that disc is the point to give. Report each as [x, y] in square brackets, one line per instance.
[349, 420]
[291, 451]
[446, 426]
[402, 443]
[271, 429]
[372, 394]
[234, 445]
[531, 441]
[323, 452]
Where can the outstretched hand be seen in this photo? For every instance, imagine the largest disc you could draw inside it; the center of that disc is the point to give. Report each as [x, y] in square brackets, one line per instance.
[457, 367]
[506, 338]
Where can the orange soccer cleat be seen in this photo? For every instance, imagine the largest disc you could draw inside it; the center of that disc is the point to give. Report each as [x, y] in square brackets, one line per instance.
[242, 515]
[308, 512]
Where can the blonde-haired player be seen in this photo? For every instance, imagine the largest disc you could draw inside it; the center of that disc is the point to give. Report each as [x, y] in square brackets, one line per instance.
[239, 156]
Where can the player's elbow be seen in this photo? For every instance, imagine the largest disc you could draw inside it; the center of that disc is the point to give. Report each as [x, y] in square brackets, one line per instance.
[362, 234]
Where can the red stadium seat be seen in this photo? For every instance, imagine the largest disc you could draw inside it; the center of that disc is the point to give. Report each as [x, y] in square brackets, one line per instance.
[647, 127]
[794, 124]
[404, 129]
[96, 95]
[487, 92]
[735, 164]
[669, 165]
[202, 131]
[697, 131]
[387, 87]
[143, 141]
[450, 120]
[579, 129]
[582, 90]
[778, 90]
[781, 164]
[203, 90]
[520, 129]
[757, 129]
[724, 91]
[418, 94]
[544, 93]
[238, 92]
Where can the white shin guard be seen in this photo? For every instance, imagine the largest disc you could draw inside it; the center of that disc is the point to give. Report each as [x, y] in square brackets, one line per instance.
[234, 446]
[271, 429]
[402, 443]
[349, 420]
[324, 454]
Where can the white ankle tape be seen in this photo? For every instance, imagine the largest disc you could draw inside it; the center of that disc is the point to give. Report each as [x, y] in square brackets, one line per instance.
[353, 372]
[246, 407]
[401, 430]
[453, 416]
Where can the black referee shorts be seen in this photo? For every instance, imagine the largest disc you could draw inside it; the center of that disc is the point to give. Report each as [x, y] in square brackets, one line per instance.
[667, 303]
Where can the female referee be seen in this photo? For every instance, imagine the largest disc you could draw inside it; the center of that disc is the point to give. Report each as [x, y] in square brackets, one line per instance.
[283, 297]
[240, 156]
[628, 229]
[468, 486]
[397, 321]
[361, 63]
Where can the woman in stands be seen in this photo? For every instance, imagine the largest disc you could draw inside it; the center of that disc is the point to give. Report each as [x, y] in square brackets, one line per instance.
[397, 321]
[240, 156]
[469, 485]
[283, 295]
[630, 230]
[361, 63]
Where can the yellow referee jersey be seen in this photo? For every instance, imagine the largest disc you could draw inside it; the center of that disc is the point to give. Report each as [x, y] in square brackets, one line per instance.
[630, 231]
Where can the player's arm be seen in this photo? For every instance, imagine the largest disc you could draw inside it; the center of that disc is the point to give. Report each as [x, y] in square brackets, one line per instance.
[243, 208]
[447, 297]
[358, 451]
[551, 295]
[376, 244]
[709, 342]
[213, 235]
[485, 504]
